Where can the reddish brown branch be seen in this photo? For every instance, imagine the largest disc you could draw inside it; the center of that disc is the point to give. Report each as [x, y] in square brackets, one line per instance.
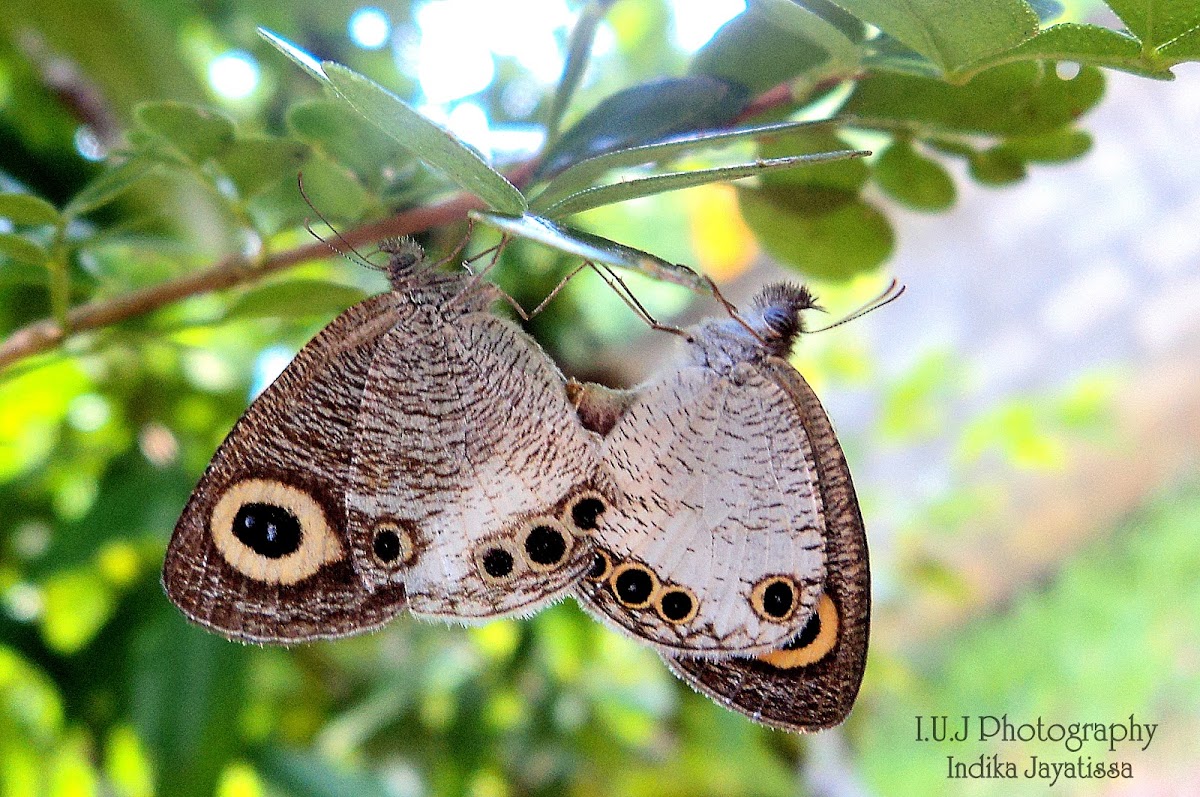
[46, 334]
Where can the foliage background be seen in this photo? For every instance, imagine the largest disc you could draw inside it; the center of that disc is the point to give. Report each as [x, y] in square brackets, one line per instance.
[1022, 426]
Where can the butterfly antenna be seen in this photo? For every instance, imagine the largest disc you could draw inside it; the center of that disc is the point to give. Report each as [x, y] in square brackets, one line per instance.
[890, 294]
[341, 239]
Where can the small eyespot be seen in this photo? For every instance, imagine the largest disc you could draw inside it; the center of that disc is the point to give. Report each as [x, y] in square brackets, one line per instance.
[634, 585]
[393, 543]
[545, 545]
[774, 598]
[676, 605]
[497, 563]
[601, 566]
[585, 512]
[814, 642]
[273, 532]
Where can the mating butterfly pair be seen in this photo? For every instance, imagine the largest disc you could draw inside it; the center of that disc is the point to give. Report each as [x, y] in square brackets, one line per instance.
[422, 453]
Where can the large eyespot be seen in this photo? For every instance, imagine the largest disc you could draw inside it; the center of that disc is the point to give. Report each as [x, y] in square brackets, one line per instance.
[634, 585]
[273, 532]
[774, 598]
[497, 562]
[601, 566]
[393, 543]
[584, 510]
[547, 544]
[676, 605]
[813, 643]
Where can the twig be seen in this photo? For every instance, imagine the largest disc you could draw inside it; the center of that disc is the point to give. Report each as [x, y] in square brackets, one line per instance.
[233, 270]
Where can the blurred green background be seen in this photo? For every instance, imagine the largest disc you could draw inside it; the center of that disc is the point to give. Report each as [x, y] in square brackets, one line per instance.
[1022, 425]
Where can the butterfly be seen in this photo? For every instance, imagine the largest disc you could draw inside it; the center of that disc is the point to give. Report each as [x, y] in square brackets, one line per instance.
[734, 543]
[420, 452]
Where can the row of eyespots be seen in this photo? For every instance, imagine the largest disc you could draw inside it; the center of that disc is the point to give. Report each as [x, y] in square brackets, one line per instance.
[813, 643]
[544, 543]
[635, 586]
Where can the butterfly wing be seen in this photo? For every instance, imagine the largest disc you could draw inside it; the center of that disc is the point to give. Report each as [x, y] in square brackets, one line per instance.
[715, 542]
[261, 551]
[471, 473]
[811, 682]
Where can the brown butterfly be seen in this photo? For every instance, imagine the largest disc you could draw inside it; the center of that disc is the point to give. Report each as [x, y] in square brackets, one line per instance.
[734, 543]
[419, 452]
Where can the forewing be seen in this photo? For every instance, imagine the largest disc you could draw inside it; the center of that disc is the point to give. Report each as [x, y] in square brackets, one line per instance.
[261, 551]
[714, 545]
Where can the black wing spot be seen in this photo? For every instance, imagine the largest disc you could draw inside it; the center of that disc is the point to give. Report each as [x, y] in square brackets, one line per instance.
[498, 562]
[545, 545]
[634, 586]
[586, 512]
[677, 605]
[601, 565]
[807, 635]
[778, 598]
[268, 530]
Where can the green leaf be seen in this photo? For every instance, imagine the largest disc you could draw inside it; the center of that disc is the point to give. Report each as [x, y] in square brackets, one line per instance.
[753, 51]
[1086, 44]
[587, 172]
[107, 186]
[1061, 145]
[821, 232]
[188, 688]
[647, 186]
[646, 113]
[346, 137]
[1185, 48]
[27, 209]
[198, 133]
[434, 145]
[1157, 22]
[811, 26]
[997, 166]
[579, 50]
[22, 272]
[846, 174]
[950, 33]
[1010, 100]
[22, 250]
[587, 246]
[77, 605]
[306, 775]
[299, 57]
[295, 299]
[256, 163]
[888, 54]
[333, 190]
[913, 179]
